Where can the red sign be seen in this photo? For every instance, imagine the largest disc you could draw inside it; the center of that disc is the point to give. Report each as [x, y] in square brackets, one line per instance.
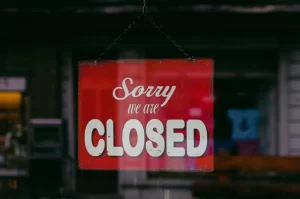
[146, 115]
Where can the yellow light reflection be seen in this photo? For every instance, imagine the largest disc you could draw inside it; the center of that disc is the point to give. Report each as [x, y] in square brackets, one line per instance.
[13, 184]
[11, 116]
[10, 100]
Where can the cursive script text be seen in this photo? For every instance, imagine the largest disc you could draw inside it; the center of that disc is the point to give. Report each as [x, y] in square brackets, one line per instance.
[158, 91]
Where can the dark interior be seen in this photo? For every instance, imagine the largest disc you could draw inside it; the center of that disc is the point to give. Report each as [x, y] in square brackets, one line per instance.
[235, 94]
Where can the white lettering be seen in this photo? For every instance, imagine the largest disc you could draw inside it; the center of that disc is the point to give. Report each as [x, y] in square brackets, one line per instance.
[155, 136]
[173, 137]
[154, 132]
[198, 151]
[140, 141]
[159, 91]
[112, 150]
[93, 124]
[134, 108]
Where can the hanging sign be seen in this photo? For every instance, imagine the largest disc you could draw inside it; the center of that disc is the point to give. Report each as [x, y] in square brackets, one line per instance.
[146, 115]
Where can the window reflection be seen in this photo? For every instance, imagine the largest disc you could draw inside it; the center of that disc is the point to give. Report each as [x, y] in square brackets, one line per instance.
[241, 114]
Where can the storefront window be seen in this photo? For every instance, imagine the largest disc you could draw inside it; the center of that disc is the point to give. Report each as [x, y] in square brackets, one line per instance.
[240, 117]
[13, 139]
[245, 83]
[245, 104]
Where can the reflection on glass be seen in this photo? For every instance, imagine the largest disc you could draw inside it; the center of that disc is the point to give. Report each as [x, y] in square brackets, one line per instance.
[46, 135]
[13, 138]
[243, 120]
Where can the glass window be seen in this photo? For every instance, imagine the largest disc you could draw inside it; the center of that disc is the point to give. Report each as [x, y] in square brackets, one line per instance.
[46, 135]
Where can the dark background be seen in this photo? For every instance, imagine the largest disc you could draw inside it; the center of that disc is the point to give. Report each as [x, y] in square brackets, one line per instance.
[240, 36]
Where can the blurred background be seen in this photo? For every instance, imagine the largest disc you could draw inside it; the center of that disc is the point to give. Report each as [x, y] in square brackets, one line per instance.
[256, 49]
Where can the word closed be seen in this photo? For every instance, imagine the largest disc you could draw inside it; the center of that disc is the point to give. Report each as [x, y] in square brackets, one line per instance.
[154, 132]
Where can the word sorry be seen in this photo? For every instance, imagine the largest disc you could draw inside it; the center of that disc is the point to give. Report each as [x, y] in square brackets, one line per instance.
[154, 130]
[159, 91]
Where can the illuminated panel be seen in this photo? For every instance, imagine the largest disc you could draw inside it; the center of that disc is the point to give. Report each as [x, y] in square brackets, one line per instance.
[10, 100]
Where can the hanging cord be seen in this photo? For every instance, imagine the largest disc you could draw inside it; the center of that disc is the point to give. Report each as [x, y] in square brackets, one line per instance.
[145, 13]
[117, 39]
[179, 47]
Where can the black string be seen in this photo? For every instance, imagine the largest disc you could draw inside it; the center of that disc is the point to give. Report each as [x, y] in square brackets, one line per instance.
[145, 13]
[179, 47]
[118, 38]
